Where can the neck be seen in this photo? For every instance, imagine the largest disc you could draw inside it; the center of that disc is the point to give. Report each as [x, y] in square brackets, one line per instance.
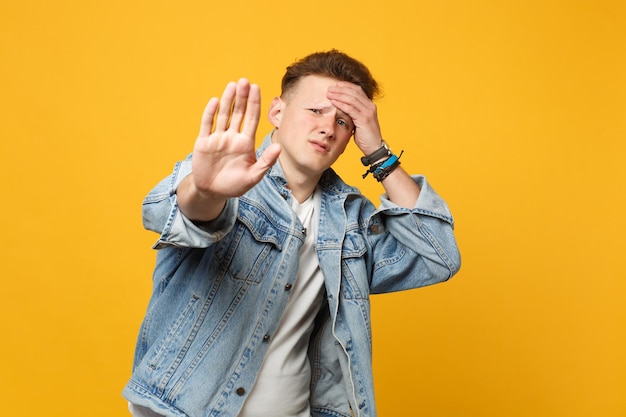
[301, 183]
[301, 190]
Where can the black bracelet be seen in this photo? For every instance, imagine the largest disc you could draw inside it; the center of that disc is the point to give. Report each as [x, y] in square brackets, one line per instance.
[387, 167]
[383, 173]
[374, 167]
[376, 155]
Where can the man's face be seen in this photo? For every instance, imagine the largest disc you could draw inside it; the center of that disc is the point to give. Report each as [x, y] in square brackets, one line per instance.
[312, 132]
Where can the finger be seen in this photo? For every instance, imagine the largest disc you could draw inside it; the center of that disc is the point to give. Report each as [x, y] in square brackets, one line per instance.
[253, 111]
[239, 108]
[351, 98]
[355, 114]
[354, 111]
[345, 85]
[207, 117]
[226, 104]
[266, 161]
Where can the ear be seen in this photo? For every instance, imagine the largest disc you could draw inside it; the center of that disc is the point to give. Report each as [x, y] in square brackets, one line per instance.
[276, 111]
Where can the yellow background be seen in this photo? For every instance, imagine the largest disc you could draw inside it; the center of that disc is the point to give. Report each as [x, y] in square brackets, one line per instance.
[516, 111]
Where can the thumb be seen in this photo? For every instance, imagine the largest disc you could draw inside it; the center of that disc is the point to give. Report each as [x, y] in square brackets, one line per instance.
[266, 160]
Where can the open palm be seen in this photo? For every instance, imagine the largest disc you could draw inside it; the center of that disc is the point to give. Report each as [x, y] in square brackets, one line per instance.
[224, 162]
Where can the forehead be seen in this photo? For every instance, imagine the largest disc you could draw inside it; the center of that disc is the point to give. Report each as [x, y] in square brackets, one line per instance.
[311, 87]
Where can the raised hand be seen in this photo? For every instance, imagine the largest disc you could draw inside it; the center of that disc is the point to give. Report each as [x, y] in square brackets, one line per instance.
[224, 163]
[351, 99]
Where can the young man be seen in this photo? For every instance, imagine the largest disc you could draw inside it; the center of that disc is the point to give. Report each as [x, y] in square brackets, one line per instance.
[266, 259]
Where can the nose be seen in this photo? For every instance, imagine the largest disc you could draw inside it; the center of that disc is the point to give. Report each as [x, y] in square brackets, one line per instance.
[327, 125]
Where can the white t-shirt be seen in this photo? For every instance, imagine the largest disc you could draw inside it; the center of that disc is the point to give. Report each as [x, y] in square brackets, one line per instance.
[282, 386]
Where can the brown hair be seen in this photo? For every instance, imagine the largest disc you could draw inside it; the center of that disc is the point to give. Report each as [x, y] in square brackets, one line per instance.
[333, 64]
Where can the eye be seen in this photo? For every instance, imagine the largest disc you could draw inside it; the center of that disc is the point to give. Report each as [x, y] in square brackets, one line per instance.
[344, 123]
[316, 111]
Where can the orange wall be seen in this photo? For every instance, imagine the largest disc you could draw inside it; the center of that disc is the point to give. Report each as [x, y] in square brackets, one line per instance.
[516, 111]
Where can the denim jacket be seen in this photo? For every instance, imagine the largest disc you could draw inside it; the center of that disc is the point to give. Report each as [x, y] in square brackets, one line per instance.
[219, 290]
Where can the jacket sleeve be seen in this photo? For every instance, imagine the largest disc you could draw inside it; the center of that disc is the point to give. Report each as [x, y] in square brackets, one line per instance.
[161, 215]
[416, 247]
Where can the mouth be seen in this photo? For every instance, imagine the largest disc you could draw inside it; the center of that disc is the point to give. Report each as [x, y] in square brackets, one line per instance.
[320, 146]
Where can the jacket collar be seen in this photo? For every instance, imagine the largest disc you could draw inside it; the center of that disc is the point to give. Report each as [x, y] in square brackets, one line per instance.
[329, 181]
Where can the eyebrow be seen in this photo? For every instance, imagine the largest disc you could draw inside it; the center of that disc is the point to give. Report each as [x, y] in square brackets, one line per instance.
[328, 107]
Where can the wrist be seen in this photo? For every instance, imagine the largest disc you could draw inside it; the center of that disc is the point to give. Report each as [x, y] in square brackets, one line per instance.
[379, 154]
[383, 166]
[387, 167]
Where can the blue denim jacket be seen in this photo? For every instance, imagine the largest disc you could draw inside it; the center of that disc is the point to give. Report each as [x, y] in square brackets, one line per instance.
[220, 289]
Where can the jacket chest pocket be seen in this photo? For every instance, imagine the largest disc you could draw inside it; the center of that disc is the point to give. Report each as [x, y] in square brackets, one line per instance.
[251, 250]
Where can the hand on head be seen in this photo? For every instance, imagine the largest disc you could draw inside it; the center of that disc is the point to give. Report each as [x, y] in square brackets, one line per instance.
[351, 99]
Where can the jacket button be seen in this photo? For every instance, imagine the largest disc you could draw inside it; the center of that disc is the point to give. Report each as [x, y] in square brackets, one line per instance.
[240, 391]
[266, 338]
[287, 287]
